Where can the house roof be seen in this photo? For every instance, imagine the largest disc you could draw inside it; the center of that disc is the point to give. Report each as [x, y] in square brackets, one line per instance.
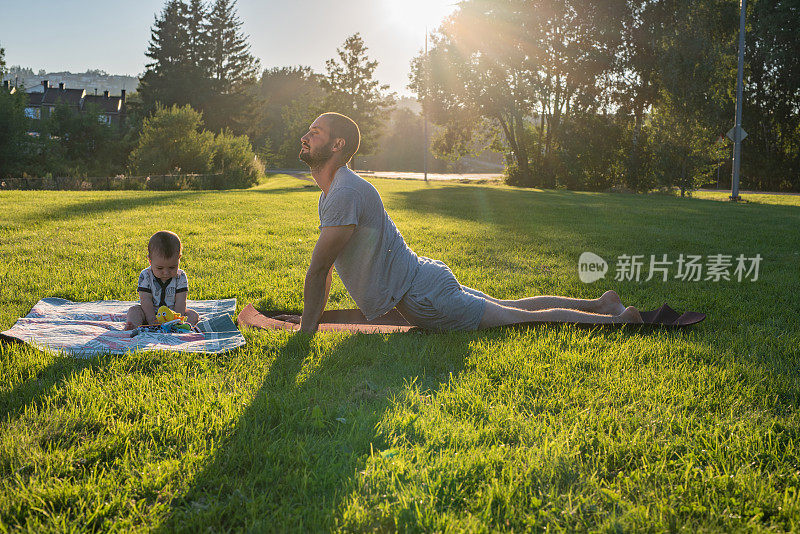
[54, 95]
[35, 99]
[106, 104]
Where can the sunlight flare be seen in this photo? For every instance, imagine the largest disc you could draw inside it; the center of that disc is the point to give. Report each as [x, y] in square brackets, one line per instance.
[413, 16]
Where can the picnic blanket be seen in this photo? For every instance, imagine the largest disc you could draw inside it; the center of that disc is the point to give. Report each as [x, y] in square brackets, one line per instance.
[355, 321]
[83, 329]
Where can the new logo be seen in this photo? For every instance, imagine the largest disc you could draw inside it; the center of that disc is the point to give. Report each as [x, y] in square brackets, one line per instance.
[591, 267]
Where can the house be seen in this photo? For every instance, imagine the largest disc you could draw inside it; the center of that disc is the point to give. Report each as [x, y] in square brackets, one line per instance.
[41, 103]
[7, 87]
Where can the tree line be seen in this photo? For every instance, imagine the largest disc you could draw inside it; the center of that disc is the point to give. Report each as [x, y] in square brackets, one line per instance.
[202, 90]
[632, 94]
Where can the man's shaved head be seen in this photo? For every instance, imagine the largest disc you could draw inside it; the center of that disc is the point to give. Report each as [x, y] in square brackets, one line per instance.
[343, 127]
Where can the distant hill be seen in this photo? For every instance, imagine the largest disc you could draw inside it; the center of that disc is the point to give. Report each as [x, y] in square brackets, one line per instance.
[91, 80]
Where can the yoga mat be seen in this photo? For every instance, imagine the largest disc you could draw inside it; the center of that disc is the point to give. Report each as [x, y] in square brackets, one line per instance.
[332, 321]
[354, 320]
[84, 329]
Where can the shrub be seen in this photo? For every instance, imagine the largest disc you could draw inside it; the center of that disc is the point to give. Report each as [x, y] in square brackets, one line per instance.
[172, 141]
[235, 160]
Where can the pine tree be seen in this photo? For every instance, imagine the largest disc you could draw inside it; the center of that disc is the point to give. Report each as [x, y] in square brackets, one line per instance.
[196, 40]
[232, 70]
[201, 58]
[165, 79]
[352, 91]
[231, 64]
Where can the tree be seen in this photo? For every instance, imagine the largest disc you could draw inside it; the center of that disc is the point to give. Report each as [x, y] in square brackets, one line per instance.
[676, 73]
[572, 59]
[771, 113]
[589, 151]
[83, 146]
[683, 149]
[296, 118]
[172, 141]
[197, 46]
[402, 146]
[555, 57]
[292, 98]
[232, 70]
[174, 76]
[14, 146]
[2, 61]
[231, 64]
[352, 91]
[201, 58]
[167, 49]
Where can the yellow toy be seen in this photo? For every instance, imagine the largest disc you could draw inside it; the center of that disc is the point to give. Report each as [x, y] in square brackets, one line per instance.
[165, 315]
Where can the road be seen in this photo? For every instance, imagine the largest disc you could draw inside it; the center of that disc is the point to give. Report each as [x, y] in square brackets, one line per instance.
[408, 175]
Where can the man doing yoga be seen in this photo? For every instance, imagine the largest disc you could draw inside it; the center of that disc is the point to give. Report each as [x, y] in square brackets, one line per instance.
[380, 272]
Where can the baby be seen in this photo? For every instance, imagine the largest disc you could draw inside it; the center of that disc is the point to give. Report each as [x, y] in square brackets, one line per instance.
[161, 284]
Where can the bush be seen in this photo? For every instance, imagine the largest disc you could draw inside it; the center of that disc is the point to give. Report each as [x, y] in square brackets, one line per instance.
[235, 160]
[512, 175]
[588, 152]
[172, 142]
[684, 152]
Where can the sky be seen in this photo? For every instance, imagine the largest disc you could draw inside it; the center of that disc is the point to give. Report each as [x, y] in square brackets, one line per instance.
[112, 35]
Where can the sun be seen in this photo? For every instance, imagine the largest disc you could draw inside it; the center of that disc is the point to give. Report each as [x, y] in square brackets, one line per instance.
[414, 16]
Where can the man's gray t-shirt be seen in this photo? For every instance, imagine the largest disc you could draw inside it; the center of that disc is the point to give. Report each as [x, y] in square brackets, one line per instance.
[376, 266]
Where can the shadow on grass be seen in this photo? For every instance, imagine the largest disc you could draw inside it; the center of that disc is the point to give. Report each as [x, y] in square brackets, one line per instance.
[109, 205]
[293, 454]
[531, 211]
[300, 188]
[34, 388]
[89, 207]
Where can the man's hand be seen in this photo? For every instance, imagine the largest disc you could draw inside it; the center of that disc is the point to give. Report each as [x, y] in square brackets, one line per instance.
[332, 240]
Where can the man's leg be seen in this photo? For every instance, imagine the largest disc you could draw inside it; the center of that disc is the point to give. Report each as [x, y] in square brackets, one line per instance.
[496, 315]
[608, 304]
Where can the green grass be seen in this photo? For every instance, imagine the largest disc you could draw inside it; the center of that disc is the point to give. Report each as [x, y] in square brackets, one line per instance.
[553, 428]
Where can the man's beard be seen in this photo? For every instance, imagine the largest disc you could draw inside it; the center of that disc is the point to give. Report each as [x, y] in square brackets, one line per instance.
[317, 158]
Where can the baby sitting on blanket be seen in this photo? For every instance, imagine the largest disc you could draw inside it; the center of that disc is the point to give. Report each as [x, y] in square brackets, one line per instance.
[162, 283]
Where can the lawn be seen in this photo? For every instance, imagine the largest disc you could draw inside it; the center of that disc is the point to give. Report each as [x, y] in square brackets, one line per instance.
[551, 427]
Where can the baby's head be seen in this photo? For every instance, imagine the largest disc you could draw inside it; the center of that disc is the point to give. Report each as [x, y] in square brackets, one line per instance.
[164, 252]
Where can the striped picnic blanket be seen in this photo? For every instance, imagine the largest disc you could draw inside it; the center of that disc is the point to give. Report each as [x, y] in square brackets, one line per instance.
[83, 329]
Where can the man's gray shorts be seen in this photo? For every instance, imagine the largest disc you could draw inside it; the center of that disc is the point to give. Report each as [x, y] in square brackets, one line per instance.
[436, 301]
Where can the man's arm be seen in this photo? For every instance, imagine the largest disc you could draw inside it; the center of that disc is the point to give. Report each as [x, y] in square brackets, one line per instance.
[332, 239]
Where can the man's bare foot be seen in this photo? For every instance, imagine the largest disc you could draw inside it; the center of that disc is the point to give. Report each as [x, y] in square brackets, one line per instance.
[630, 316]
[610, 304]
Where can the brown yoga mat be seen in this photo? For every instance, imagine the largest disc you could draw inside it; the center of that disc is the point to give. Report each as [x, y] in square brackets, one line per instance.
[354, 320]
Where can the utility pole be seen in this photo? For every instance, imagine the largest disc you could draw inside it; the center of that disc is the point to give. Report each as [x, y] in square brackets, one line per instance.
[738, 132]
[424, 111]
